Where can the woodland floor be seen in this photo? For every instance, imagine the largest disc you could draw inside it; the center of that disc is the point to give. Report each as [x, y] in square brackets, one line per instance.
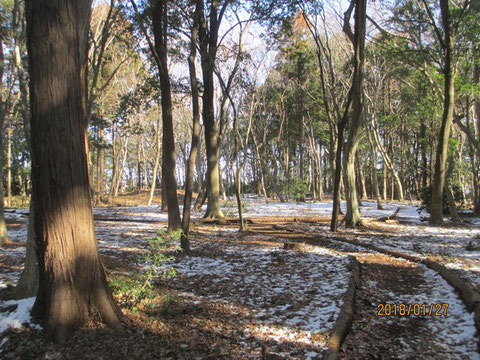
[242, 296]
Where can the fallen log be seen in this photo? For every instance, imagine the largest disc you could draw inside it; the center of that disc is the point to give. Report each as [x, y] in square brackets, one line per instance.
[391, 217]
[345, 318]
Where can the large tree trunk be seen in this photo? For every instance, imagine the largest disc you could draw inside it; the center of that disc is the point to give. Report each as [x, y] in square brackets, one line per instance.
[436, 214]
[72, 280]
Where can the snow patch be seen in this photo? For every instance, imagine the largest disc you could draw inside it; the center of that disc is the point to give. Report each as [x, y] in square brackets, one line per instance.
[19, 317]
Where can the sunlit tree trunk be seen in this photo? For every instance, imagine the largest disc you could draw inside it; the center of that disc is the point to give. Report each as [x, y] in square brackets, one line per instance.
[208, 48]
[156, 164]
[72, 283]
[352, 217]
[436, 214]
[160, 32]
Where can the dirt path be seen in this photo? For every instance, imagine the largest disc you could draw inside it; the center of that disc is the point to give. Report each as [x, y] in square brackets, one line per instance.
[381, 331]
[386, 280]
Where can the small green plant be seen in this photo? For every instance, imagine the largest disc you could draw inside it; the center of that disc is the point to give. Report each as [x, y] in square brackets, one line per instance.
[156, 258]
[171, 306]
[129, 290]
[133, 289]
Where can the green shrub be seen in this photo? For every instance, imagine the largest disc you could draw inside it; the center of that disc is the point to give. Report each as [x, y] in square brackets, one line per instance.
[133, 289]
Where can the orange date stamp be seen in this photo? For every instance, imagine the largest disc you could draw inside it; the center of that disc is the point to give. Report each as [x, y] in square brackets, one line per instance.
[415, 309]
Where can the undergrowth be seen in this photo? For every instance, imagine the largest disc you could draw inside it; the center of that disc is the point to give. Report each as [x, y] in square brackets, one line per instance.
[134, 288]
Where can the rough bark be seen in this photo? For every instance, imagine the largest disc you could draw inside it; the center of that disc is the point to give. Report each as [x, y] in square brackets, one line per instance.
[72, 280]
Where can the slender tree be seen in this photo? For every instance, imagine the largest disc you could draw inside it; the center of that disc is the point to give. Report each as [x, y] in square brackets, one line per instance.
[160, 33]
[352, 217]
[3, 225]
[187, 204]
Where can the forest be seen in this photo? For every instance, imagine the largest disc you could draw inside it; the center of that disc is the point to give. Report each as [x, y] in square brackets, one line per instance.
[240, 179]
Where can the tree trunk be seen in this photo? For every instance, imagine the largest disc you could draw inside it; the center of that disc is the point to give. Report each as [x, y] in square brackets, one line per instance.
[9, 163]
[361, 178]
[155, 165]
[352, 217]
[160, 30]
[100, 165]
[187, 203]
[27, 285]
[387, 163]
[436, 214]
[121, 168]
[3, 114]
[208, 47]
[139, 165]
[373, 170]
[115, 159]
[72, 280]
[163, 187]
[201, 197]
[423, 151]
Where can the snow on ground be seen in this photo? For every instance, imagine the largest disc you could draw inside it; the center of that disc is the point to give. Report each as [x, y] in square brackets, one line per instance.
[254, 207]
[457, 329]
[456, 247]
[277, 299]
[151, 213]
[453, 326]
[292, 296]
[16, 313]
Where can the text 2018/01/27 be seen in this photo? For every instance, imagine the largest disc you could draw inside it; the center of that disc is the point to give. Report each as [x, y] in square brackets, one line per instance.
[412, 309]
